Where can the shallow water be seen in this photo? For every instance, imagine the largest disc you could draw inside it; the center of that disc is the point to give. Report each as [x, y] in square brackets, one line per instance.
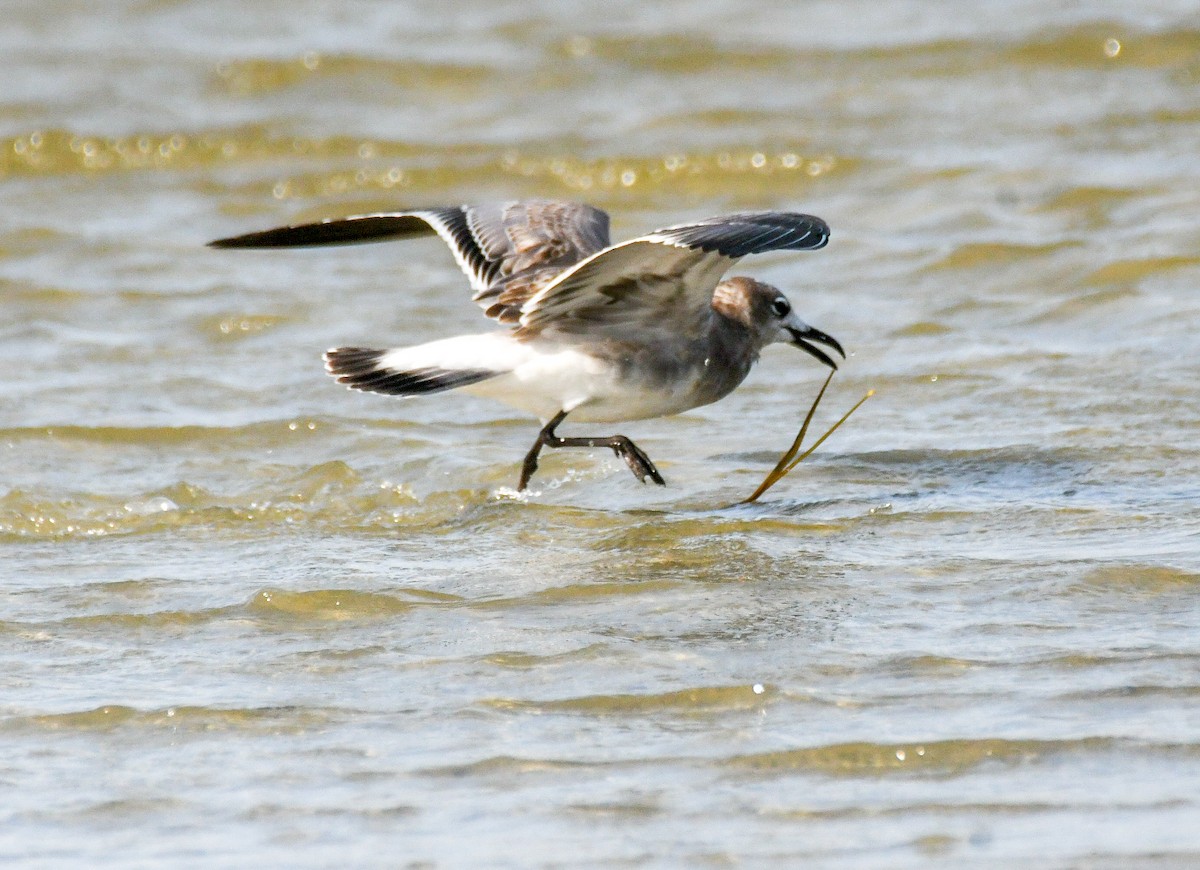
[249, 616]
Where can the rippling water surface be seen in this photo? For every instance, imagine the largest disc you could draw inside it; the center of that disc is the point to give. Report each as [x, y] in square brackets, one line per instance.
[251, 617]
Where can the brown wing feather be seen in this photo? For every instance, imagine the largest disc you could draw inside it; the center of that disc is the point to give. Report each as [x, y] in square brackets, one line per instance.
[532, 242]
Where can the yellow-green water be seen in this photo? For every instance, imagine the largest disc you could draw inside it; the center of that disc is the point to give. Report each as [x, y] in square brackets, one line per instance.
[250, 617]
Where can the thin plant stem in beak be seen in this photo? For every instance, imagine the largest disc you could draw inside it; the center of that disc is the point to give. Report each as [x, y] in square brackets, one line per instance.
[790, 460]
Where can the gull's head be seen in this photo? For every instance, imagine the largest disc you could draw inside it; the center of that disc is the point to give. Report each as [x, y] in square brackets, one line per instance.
[768, 314]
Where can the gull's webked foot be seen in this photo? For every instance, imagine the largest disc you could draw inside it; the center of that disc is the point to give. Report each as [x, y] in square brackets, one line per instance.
[637, 460]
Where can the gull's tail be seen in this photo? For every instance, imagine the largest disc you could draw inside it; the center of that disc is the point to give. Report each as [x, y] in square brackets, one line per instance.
[387, 371]
[427, 368]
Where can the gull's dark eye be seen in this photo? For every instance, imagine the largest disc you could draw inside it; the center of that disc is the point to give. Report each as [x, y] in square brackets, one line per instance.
[781, 307]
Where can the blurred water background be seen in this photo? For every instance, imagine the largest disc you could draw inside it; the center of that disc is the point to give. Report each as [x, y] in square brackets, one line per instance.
[251, 617]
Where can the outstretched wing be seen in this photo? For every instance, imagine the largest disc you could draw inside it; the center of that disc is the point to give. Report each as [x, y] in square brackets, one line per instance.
[508, 251]
[669, 273]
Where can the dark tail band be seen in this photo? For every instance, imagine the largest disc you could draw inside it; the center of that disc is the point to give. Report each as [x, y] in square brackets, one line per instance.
[360, 368]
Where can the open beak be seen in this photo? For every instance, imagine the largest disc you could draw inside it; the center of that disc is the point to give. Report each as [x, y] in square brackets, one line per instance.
[803, 338]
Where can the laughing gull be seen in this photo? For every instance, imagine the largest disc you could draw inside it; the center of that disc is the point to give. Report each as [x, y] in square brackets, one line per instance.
[602, 332]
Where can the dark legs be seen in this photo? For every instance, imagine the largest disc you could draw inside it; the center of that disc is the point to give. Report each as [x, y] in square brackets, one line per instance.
[639, 463]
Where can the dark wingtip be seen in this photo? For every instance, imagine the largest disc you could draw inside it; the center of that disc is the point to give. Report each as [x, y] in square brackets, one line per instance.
[743, 233]
[304, 235]
[354, 230]
[266, 239]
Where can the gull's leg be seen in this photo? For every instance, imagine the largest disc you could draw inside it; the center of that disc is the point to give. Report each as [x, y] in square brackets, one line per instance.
[637, 460]
[546, 436]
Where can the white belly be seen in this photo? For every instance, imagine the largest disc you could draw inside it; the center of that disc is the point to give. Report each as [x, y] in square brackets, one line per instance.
[588, 388]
